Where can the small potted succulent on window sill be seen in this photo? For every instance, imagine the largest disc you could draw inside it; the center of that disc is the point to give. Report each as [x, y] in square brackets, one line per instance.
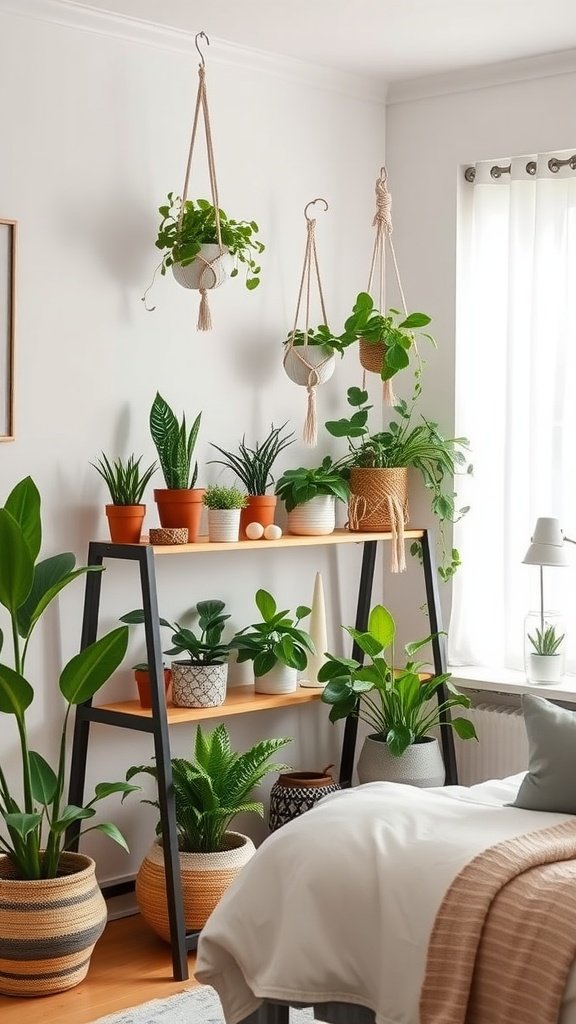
[224, 506]
[276, 645]
[385, 339]
[126, 483]
[310, 497]
[180, 502]
[544, 647]
[253, 466]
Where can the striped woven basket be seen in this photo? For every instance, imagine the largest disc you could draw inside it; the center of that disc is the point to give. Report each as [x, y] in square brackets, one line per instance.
[371, 354]
[205, 878]
[49, 927]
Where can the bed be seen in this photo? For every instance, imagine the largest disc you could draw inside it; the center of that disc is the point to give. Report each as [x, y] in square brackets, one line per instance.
[337, 909]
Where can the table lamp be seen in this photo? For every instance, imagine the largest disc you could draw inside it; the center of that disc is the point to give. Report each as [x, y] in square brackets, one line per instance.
[543, 635]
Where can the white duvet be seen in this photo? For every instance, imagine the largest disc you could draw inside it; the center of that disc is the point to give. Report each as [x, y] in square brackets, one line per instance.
[339, 904]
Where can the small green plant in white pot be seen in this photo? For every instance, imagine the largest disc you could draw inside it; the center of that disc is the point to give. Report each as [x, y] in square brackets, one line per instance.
[277, 646]
[224, 506]
[310, 497]
[544, 649]
[316, 348]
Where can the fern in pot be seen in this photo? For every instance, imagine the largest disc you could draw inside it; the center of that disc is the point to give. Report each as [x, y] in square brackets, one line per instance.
[224, 506]
[180, 502]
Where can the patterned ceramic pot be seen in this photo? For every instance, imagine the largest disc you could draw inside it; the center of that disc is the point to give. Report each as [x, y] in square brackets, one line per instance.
[198, 686]
[49, 927]
[420, 765]
[296, 792]
[314, 518]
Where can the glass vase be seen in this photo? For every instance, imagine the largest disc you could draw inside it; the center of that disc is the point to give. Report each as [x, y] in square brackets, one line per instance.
[544, 647]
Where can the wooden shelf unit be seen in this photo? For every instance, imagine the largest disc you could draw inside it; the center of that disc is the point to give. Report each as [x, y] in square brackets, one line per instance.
[240, 700]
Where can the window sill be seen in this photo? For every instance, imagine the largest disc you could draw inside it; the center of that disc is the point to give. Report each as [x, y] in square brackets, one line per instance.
[493, 680]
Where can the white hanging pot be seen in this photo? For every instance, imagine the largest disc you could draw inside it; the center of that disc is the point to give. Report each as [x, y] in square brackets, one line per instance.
[320, 357]
[280, 679]
[223, 524]
[314, 518]
[420, 765]
[208, 270]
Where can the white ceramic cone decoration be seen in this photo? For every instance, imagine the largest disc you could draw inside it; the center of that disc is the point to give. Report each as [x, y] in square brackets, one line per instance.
[318, 634]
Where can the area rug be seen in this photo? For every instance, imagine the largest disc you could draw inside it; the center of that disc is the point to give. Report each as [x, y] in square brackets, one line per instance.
[194, 1006]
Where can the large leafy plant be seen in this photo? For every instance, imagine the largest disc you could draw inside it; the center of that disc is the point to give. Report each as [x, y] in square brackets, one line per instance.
[214, 787]
[37, 821]
[174, 444]
[297, 486]
[395, 703]
[253, 466]
[183, 238]
[392, 330]
[206, 649]
[277, 638]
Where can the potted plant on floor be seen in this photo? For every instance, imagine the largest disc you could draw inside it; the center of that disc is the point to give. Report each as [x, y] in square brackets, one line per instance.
[310, 497]
[179, 503]
[276, 645]
[253, 466]
[126, 483]
[377, 464]
[209, 790]
[224, 506]
[395, 703]
[188, 237]
[385, 339]
[51, 910]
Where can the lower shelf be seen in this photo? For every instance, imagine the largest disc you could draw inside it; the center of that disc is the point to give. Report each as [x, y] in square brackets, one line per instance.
[240, 700]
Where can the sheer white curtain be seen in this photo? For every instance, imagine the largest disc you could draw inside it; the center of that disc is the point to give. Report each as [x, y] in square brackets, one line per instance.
[515, 401]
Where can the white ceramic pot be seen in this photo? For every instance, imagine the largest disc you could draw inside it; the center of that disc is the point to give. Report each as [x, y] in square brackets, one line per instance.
[198, 686]
[420, 765]
[545, 668]
[315, 355]
[314, 518]
[280, 679]
[208, 270]
[223, 524]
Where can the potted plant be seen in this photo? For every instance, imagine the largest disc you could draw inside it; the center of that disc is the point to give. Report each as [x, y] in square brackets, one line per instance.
[310, 497]
[276, 645]
[377, 464]
[385, 339]
[224, 506]
[49, 899]
[321, 346]
[395, 703]
[253, 466]
[188, 237]
[200, 680]
[179, 503]
[209, 791]
[126, 483]
[545, 654]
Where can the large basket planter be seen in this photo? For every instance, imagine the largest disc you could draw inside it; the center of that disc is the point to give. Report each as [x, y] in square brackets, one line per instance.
[205, 877]
[420, 765]
[378, 499]
[198, 686]
[49, 927]
[181, 507]
[209, 270]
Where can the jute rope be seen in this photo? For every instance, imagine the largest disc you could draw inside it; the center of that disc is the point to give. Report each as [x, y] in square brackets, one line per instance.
[310, 432]
[378, 502]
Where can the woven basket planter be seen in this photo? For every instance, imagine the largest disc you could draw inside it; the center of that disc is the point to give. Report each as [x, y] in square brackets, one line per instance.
[48, 928]
[296, 792]
[371, 354]
[205, 878]
[372, 491]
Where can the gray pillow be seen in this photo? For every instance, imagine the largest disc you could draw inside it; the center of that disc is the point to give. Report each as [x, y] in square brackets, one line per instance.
[550, 784]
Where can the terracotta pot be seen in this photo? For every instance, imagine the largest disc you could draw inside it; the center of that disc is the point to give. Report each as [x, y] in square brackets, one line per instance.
[182, 507]
[260, 509]
[142, 677]
[205, 878]
[125, 523]
[49, 927]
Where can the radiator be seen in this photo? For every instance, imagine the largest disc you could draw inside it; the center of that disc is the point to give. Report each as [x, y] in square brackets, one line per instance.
[502, 748]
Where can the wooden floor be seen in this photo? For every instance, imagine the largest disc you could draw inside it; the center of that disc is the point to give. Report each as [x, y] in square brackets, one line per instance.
[129, 966]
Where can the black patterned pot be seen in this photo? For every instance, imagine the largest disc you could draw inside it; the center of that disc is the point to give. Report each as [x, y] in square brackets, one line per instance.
[296, 792]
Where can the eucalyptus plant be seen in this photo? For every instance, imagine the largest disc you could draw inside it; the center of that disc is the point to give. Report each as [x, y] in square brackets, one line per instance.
[393, 330]
[125, 480]
[174, 444]
[395, 703]
[253, 466]
[37, 821]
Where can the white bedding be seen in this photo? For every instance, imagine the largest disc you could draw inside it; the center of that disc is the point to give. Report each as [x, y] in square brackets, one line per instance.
[339, 904]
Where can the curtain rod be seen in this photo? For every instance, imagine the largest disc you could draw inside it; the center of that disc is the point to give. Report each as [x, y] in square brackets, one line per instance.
[496, 171]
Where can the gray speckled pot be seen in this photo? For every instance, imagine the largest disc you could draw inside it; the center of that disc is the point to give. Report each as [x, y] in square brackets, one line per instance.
[420, 765]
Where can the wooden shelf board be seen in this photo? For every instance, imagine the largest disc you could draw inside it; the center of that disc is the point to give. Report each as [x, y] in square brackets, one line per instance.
[286, 541]
[239, 701]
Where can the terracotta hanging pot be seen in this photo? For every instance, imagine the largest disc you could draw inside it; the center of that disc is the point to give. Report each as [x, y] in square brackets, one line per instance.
[180, 507]
[260, 509]
[125, 523]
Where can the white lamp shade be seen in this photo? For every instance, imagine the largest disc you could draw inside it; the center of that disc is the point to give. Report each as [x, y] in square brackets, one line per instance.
[547, 547]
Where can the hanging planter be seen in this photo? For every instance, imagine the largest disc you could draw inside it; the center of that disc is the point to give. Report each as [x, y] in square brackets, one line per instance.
[199, 241]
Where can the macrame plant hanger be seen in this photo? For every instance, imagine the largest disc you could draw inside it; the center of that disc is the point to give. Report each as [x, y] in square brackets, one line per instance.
[383, 224]
[301, 352]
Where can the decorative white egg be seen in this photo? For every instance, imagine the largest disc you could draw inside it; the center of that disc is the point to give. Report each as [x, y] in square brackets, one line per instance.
[254, 531]
[272, 532]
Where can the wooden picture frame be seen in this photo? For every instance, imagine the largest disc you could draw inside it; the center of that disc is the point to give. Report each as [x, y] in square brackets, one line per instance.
[8, 236]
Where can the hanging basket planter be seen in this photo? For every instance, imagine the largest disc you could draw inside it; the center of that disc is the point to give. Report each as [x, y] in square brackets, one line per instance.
[210, 268]
[303, 360]
[372, 354]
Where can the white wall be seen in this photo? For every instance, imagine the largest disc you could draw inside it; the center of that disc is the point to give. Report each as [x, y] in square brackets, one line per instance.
[428, 140]
[95, 118]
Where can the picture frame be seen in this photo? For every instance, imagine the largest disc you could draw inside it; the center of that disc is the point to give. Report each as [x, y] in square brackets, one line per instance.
[8, 239]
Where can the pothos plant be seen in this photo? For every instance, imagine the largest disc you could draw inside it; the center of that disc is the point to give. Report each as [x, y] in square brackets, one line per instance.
[320, 337]
[183, 238]
[393, 330]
